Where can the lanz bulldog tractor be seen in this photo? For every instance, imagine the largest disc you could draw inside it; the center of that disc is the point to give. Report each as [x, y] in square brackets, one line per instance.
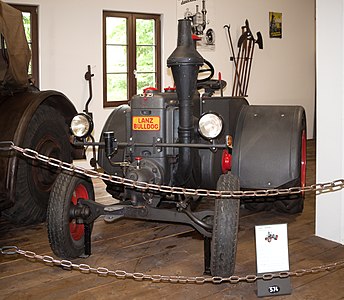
[166, 151]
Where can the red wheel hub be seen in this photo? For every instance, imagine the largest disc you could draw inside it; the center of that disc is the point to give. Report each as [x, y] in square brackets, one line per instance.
[77, 230]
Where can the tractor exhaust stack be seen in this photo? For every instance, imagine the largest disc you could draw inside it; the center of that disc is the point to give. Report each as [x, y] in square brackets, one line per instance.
[185, 62]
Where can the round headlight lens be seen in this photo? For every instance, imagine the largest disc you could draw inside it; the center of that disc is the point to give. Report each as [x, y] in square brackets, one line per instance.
[210, 125]
[81, 125]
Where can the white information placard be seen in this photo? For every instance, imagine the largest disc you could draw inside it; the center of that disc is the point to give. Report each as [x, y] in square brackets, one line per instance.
[272, 248]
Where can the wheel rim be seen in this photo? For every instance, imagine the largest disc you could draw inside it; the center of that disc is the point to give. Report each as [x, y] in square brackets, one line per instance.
[77, 230]
[45, 177]
[303, 159]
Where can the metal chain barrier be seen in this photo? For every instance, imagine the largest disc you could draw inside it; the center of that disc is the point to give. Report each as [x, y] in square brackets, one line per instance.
[157, 278]
[144, 186]
[121, 274]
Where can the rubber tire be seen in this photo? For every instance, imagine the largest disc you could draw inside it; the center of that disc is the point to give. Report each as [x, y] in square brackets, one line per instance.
[47, 133]
[294, 204]
[260, 205]
[61, 239]
[225, 229]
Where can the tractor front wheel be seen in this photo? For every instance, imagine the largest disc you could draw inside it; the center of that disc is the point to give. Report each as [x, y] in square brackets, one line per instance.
[225, 229]
[66, 236]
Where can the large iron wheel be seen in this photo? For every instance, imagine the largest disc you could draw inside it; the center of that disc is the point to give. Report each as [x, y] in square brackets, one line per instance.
[66, 235]
[225, 229]
[47, 134]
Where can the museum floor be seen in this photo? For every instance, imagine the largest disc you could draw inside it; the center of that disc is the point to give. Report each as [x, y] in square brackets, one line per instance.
[167, 249]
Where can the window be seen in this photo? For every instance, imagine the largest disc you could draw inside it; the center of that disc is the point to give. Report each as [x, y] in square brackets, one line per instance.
[131, 53]
[30, 20]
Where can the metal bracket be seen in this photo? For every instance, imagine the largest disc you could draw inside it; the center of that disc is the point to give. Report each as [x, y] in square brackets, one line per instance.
[145, 213]
[207, 255]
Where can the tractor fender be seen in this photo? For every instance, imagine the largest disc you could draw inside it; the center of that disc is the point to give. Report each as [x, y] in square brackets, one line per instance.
[16, 112]
[119, 122]
[229, 109]
[267, 146]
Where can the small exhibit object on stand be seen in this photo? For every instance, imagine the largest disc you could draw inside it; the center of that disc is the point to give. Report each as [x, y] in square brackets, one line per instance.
[272, 256]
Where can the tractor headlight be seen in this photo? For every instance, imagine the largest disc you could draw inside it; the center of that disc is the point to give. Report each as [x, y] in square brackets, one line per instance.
[81, 125]
[210, 125]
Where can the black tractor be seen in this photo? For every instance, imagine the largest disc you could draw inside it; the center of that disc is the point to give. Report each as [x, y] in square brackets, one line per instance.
[167, 152]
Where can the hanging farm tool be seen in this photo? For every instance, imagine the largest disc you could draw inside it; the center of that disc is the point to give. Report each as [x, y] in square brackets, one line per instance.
[243, 60]
[233, 58]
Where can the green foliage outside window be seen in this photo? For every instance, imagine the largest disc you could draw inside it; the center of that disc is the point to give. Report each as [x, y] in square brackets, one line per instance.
[117, 53]
[145, 53]
[27, 28]
[116, 60]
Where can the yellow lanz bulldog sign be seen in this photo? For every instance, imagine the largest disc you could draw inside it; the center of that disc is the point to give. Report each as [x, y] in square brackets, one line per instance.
[146, 123]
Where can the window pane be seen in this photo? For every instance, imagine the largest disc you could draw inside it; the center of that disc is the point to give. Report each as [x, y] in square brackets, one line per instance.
[27, 26]
[116, 59]
[116, 31]
[145, 33]
[132, 55]
[117, 87]
[30, 18]
[27, 29]
[30, 64]
[145, 58]
[145, 80]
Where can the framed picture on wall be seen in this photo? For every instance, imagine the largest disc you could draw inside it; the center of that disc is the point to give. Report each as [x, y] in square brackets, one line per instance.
[275, 25]
[201, 15]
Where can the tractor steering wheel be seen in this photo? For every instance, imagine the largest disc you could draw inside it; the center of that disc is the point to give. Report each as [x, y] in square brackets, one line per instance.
[208, 67]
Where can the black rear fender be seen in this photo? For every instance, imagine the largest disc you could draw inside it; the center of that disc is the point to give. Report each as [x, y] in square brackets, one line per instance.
[267, 146]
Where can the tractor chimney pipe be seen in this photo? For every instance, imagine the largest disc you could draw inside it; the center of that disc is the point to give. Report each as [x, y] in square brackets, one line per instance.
[185, 62]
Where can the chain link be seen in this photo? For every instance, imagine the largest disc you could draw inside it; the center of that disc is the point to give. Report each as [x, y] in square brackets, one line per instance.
[121, 274]
[157, 278]
[144, 186]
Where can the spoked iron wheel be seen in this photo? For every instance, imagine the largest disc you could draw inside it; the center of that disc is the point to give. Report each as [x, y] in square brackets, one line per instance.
[66, 234]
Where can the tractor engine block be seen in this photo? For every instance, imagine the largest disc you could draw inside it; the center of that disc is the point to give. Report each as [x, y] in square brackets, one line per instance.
[154, 119]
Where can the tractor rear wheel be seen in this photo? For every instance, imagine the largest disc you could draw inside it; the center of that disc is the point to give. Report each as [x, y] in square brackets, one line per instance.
[225, 229]
[269, 152]
[260, 205]
[66, 236]
[293, 204]
[47, 133]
